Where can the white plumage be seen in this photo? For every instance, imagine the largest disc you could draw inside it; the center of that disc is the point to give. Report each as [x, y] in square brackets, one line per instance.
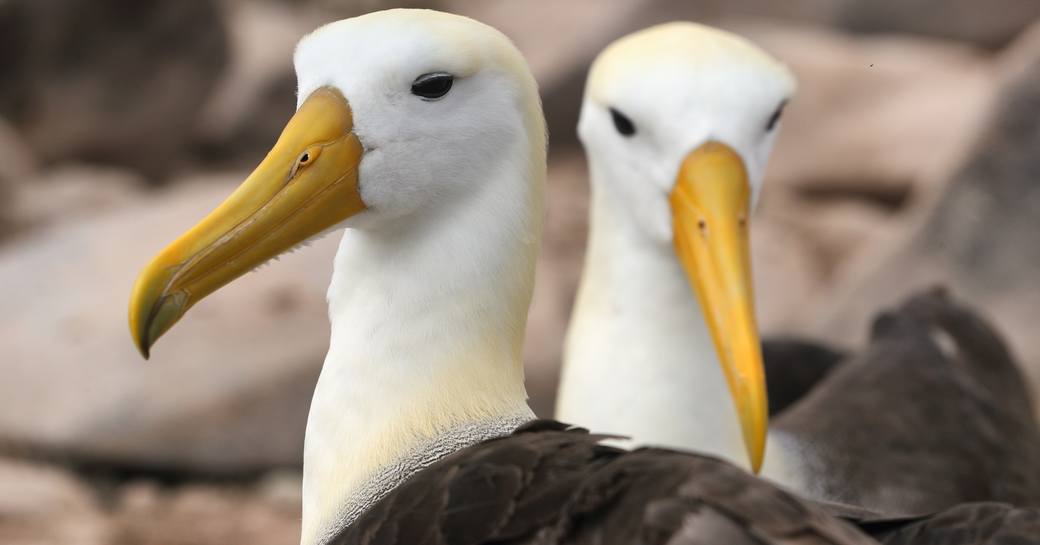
[639, 359]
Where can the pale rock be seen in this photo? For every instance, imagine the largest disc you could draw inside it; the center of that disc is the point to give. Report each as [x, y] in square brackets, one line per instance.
[878, 119]
[43, 505]
[108, 80]
[256, 95]
[992, 23]
[282, 488]
[72, 193]
[786, 273]
[17, 163]
[228, 390]
[199, 514]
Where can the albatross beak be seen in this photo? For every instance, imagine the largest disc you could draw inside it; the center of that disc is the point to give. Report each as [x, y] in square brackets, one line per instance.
[307, 184]
[710, 205]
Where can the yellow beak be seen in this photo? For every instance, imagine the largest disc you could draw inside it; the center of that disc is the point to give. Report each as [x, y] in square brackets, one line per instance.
[307, 184]
[710, 204]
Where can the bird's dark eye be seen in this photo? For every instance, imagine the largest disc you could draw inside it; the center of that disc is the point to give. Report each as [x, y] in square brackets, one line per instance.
[622, 123]
[432, 86]
[775, 118]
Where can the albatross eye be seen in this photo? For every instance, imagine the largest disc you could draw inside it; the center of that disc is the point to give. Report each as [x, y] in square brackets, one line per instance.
[775, 118]
[622, 123]
[432, 86]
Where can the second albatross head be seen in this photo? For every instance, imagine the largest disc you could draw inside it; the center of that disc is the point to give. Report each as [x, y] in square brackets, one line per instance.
[678, 122]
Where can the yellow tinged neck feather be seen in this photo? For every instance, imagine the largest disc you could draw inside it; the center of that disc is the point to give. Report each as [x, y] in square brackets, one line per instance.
[361, 444]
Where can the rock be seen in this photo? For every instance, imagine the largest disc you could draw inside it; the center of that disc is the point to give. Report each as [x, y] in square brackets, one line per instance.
[874, 120]
[991, 24]
[282, 488]
[227, 391]
[43, 505]
[256, 95]
[201, 515]
[837, 232]
[109, 80]
[980, 237]
[16, 159]
[17, 163]
[70, 193]
[787, 272]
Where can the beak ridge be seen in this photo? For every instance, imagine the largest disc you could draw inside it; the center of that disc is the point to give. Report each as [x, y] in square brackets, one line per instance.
[307, 184]
[710, 205]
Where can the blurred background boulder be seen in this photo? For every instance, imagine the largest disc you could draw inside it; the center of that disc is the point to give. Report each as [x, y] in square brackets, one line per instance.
[230, 398]
[109, 81]
[907, 157]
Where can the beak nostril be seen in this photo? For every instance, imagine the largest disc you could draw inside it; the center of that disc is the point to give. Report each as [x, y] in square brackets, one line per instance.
[703, 226]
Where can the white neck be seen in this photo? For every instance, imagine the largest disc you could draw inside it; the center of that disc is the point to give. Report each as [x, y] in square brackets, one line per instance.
[428, 317]
[639, 358]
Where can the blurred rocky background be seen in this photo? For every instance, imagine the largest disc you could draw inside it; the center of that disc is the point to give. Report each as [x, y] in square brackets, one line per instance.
[910, 155]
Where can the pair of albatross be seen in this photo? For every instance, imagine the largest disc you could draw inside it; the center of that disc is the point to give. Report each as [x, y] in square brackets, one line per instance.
[421, 134]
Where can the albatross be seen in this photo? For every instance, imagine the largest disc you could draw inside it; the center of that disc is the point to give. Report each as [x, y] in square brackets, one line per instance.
[678, 122]
[421, 136]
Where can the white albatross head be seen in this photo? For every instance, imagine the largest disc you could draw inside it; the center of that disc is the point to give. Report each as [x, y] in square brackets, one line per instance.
[400, 113]
[678, 122]
[422, 134]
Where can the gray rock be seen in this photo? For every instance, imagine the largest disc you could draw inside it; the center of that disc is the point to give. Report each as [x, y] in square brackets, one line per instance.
[17, 163]
[199, 514]
[993, 23]
[875, 120]
[226, 391]
[256, 95]
[69, 193]
[109, 80]
[42, 505]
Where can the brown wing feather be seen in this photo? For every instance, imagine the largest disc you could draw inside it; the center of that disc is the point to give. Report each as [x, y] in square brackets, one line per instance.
[909, 426]
[546, 484]
[985, 523]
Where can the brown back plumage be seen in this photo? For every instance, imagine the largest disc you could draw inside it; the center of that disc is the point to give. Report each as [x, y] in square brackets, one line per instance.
[933, 413]
[985, 523]
[550, 484]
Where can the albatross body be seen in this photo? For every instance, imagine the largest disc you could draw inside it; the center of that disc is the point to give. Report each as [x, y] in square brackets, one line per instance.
[420, 134]
[678, 122]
